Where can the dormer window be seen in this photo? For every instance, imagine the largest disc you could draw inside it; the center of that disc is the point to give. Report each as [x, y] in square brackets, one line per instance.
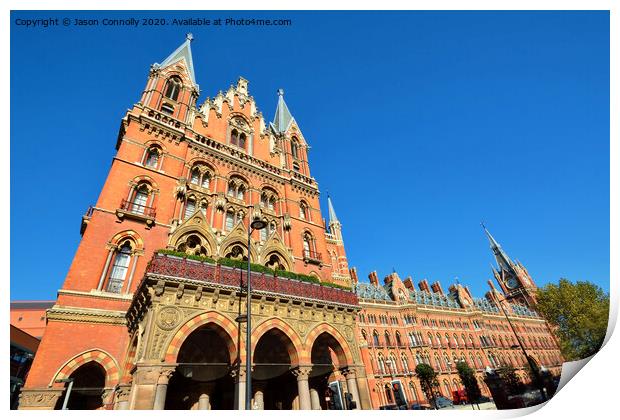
[173, 88]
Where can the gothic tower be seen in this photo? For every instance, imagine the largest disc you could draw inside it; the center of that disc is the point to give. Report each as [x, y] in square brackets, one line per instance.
[187, 180]
[513, 278]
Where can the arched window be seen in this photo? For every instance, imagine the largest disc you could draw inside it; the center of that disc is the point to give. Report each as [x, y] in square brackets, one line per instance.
[152, 157]
[195, 176]
[230, 220]
[403, 360]
[118, 273]
[388, 342]
[294, 148]
[173, 88]
[242, 139]
[190, 208]
[303, 211]
[398, 342]
[234, 138]
[140, 199]
[375, 338]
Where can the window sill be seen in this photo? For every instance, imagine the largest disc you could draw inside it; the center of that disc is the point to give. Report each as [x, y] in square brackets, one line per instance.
[122, 214]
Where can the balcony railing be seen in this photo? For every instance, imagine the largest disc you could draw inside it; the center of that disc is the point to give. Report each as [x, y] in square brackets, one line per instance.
[171, 266]
[312, 256]
[137, 209]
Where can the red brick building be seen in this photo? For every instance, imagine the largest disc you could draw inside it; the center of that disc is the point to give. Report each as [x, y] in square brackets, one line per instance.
[149, 314]
[401, 326]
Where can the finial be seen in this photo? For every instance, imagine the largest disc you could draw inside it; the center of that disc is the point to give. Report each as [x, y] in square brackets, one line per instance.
[457, 280]
[280, 92]
[482, 224]
[327, 191]
[189, 36]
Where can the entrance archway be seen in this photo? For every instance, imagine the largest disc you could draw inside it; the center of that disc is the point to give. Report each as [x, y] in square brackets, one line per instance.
[87, 390]
[202, 378]
[274, 385]
[327, 358]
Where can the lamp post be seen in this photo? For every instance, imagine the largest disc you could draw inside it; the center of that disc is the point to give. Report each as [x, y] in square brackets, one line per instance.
[70, 382]
[528, 358]
[255, 225]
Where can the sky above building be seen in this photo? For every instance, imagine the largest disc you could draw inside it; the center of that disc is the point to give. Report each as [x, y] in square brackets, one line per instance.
[421, 126]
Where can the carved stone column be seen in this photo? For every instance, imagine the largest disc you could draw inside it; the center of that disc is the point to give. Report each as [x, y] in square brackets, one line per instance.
[121, 397]
[239, 377]
[315, 401]
[162, 388]
[259, 400]
[351, 376]
[302, 373]
[203, 402]
[39, 398]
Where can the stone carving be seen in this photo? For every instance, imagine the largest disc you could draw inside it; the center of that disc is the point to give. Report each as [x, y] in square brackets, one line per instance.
[169, 317]
[39, 398]
[348, 333]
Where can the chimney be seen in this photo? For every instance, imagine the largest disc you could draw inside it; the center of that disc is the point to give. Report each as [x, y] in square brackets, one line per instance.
[374, 280]
[423, 285]
[388, 279]
[353, 273]
[452, 289]
[409, 284]
[437, 288]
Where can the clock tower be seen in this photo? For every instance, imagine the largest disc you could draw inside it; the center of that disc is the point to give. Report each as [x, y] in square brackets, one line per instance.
[516, 283]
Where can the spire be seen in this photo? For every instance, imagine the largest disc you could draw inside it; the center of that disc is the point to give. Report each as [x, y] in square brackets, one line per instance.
[183, 52]
[283, 118]
[332, 213]
[501, 257]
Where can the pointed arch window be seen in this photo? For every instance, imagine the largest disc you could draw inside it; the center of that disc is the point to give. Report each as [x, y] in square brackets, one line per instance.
[295, 148]
[375, 339]
[118, 273]
[152, 157]
[238, 139]
[190, 208]
[173, 88]
[230, 220]
[140, 198]
[303, 211]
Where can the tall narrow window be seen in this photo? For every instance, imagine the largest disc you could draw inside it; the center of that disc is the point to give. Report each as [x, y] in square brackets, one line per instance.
[173, 88]
[263, 233]
[303, 211]
[206, 180]
[152, 157]
[190, 208]
[306, 247]
[234, 138]
[240, 192]
[195, 176]
[139, 200]
[242, 141]
[230, 220]
[119, 269]
[294, 148]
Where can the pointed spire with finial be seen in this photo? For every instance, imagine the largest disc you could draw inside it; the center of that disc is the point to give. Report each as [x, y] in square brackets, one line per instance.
[332, 213]
[501, 257]
[183, 52]
[283, 118]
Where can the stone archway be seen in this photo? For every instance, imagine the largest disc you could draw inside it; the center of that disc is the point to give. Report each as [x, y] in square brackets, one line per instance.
[202, 378]
[87, 392]
[273, 380]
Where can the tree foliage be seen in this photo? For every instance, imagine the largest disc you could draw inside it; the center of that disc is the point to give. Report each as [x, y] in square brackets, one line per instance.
[580, 312]
[428, 381]
[468, 379]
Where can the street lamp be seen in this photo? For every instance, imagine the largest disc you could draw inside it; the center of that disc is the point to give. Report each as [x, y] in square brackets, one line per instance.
[70, 382]
[255, 225]
[528, 358]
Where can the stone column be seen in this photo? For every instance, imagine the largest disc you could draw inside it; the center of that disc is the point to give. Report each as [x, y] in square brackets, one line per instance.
[111, 250]
[239, 376]
[315, 401]
[162, 388]
[350, 374]
[302, 373]
[259, 401]
[203, 402]
[121, 397]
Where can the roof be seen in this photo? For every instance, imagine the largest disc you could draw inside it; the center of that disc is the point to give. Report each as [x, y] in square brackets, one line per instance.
[184, 52]
[32, 304]
[283, 118]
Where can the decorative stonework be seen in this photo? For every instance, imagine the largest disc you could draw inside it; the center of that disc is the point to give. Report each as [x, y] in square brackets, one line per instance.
[169, 317]
[39, 399]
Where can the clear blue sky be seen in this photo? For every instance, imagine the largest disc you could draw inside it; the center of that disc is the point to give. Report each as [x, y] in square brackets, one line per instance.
[421, 125]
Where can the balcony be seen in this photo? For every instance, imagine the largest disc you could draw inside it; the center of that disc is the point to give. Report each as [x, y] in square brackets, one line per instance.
[312, 257]
[137, 212]
[171, 266]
